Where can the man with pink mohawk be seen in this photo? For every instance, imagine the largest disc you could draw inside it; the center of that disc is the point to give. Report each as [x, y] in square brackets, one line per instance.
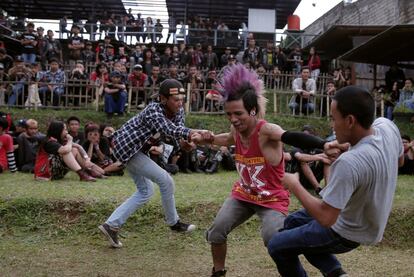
[259, 161]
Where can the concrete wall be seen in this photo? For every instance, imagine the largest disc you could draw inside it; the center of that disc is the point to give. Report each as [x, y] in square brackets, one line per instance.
[365, 12]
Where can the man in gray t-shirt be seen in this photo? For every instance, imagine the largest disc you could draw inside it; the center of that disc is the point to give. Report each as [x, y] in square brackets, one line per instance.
[355, 205]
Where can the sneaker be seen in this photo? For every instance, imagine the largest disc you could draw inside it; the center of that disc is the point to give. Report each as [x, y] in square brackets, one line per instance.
[183, 227]
[111, 234]
[141, 106]
[219, 273]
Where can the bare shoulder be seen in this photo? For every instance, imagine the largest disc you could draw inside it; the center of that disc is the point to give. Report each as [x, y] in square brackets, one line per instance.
[272, 131]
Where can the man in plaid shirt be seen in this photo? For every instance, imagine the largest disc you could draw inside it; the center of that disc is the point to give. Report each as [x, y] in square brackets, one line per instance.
[164, 118]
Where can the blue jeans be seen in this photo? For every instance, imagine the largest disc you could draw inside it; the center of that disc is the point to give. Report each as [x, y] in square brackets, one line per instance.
[17, 89]
[118, 106]
[305, 109]
[144, 171]
[29, 58]
[44, 93]
[304, 235]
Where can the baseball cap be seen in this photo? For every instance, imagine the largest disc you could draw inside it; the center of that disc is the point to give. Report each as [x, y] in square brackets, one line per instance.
[116, 74]
[231, 57]
[18, 59]
[171, 87]
[137, 67]
[21, 123]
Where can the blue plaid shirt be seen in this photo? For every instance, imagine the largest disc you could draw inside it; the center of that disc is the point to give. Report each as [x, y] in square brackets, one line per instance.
[130, 138]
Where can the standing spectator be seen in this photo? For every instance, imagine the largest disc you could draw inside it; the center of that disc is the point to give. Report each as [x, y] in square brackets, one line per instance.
[390, 100]
[175, 55]
[20, 75]
[280, 59]
[172, 27]
[210, 58]
[3, 85]
[5, 60]
[327, 97]
[75, 44]
[166, 118]
[29, 43]
[28, 143]
[41, 46]
[88, 55]
[139, 28]
[58, 154]
[394, 74]
[150, 29]
[54, 84]
[406, 98]
[295, 60]
[63, 24]
[196, 96]
[137, 80]
[148, 61]
[268, 56]
[314, 64]
[252, 54]
[53, 48]
[115, 95]
[158, 27]
[7, 160]
[224, 58]
[305, 88]
[348, 76]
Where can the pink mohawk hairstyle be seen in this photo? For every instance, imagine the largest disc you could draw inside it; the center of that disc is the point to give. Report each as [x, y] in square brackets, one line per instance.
[236, 80]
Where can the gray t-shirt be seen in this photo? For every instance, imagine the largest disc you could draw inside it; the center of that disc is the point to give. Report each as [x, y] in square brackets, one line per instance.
[362, 184]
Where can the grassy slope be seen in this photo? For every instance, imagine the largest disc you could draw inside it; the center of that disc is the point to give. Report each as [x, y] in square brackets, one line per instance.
[51, 230]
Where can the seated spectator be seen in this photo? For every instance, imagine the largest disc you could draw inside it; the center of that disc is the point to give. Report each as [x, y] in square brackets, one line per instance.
[115, 95]
[338, 78]
[99, 149]
[7, 160]
[76, 84]
[408, 167]
[5, 60]
[312, 165]
[326, 97]
[213, 96]
[136, 56]
[122, 56]
[28, 146]
[58, 154]
[73, 126]
[407, 95]
[166, 58]
[99, 78]
[33, 98]
[305, 88]
[53, 82]
[20, 75]
[154, 80]
[173, 72]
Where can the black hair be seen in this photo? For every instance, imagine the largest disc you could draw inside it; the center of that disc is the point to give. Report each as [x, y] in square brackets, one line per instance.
[4, 124]
[71, 118]
[406, 137]
[247, 93]
[55, 130]
[356, 101]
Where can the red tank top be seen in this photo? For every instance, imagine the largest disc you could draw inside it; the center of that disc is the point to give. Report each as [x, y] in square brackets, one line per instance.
[260, 182]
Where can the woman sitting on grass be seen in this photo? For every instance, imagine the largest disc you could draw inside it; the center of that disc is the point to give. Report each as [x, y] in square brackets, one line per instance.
[58, 154]
[99, 149]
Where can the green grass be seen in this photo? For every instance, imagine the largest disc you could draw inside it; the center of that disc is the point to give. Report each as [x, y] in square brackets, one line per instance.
[49, 229]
